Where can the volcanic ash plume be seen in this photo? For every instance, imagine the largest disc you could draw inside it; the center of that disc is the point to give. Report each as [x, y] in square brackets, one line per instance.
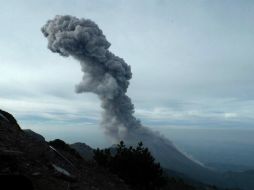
[107, 76]
[104, 73]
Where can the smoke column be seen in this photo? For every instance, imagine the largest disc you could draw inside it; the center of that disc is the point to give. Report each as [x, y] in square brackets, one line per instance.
[105, 74]
[108, 76]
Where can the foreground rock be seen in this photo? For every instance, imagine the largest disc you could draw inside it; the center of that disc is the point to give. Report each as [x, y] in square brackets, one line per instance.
[44, 166]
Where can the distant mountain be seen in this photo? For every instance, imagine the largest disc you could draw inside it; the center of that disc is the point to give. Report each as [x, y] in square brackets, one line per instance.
[83, 149]
[226, 167]
[170, 157]
[35, 136]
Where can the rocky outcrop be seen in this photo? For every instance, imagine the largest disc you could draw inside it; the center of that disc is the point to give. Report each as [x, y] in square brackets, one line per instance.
[7, 117]
[27, 154]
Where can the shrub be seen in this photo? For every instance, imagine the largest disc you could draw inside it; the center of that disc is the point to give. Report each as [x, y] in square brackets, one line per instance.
[136, 166]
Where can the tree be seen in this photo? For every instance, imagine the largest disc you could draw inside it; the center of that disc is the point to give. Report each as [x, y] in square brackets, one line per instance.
[136, 166]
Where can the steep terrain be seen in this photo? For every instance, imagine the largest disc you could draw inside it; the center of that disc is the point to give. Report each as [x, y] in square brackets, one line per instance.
[56, 165]
[170, 157]
[30, 162]
[46, 167]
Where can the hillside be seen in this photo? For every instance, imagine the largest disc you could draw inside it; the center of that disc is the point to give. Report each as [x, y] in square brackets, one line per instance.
[45, 167]
[30, 162]
[26, 158]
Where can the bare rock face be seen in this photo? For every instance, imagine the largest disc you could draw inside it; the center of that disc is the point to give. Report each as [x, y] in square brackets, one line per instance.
[7, 117]
[26, 156]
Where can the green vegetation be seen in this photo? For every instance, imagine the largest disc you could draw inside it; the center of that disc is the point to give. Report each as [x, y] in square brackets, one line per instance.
[136, 166]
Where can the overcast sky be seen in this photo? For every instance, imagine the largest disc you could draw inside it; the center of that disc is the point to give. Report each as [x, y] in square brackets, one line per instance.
[192, 62]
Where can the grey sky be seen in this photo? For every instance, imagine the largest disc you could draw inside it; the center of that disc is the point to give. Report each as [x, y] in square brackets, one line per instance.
[192, 61]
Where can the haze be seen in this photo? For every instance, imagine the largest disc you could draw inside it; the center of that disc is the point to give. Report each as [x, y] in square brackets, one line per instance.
[192, 64]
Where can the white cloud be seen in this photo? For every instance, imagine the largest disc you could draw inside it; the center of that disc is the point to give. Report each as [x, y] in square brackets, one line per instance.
[230, 115]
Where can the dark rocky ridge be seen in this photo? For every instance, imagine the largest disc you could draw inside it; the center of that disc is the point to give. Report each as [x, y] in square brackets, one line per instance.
[55, 165]
[46, 167]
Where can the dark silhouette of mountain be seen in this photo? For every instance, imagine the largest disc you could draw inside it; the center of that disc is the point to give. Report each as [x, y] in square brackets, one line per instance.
[170, 157]
[240, 180]
[35, 136]
[84, 150]
[27, 159]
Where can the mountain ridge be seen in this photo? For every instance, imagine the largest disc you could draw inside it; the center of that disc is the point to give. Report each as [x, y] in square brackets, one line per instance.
[59, 165]
[41, 165]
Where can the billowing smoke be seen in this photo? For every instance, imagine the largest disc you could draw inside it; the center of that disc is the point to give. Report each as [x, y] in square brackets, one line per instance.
[108, 76]
[104, 73]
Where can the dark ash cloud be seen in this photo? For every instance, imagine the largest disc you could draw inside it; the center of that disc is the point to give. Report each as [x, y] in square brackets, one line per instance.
[108, 76]
[104, 73]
